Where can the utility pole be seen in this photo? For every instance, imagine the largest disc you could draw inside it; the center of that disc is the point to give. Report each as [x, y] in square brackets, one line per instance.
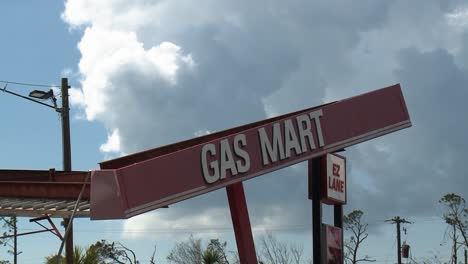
[397, 220]
[66, 151]
[65, 114]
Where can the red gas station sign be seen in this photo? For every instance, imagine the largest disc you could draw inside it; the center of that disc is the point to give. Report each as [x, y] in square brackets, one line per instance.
[133, 185]
[332, 241]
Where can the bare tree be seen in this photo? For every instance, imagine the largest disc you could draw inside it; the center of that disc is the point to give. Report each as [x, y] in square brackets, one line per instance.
[456, 217]
[187, 252]
[296, 252]
[273, 251]
[353, 223]
[152, 256]
[115, 251]
[191, 251]
[10, 224]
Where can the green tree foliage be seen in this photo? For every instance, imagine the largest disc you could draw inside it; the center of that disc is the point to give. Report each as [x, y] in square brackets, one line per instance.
[215, 253]
[80, 256]
[353, 223]
[101, 252]
[211, 256]
[456, 214]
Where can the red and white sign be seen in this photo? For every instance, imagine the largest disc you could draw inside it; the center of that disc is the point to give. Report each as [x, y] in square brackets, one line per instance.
[332, 251]
[152, 179]
[334, 179]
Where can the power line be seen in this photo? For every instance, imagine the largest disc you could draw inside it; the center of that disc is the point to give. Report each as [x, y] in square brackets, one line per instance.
[29, 84]
[211, 229]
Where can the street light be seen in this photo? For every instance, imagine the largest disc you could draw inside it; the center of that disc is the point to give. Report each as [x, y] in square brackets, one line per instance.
[64, 113]
[66, 147]
[41, 94]
[44, 96]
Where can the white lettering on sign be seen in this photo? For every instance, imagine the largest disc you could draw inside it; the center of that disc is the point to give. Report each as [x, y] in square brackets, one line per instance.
[209, 149]
[243, 164]
[316, 116]
[285, 138]
[283, 146]
[271, 149]
[237, 162]
[303, 122]
[227, 160]
[290, 139]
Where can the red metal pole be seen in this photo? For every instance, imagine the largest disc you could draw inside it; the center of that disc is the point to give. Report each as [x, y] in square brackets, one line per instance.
[241, 223]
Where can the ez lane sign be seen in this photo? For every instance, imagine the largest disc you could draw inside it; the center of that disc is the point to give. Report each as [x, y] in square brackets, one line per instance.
[334, 179]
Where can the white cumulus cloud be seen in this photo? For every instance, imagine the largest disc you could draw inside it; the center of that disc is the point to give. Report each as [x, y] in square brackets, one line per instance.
[113, 143]
[162, 71]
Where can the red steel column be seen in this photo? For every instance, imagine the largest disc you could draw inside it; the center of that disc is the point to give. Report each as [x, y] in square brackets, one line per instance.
[241, 223]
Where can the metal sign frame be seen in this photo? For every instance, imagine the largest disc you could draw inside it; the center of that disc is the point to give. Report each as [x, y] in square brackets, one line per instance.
[156, 178]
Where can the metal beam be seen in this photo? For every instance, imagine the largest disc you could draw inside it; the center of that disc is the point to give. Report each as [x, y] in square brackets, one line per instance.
[36, 213]
[42, 175]
[43, 190]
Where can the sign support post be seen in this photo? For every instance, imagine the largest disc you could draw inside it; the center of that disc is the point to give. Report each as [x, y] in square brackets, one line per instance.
[314, 167]
[327, 184]
[241, 223]
[338, 220]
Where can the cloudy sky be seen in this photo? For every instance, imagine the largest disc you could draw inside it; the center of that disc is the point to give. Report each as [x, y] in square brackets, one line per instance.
[150, 73]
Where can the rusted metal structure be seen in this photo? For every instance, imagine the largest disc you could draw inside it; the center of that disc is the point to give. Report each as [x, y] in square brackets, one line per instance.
[35, 193]
[156, 178]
